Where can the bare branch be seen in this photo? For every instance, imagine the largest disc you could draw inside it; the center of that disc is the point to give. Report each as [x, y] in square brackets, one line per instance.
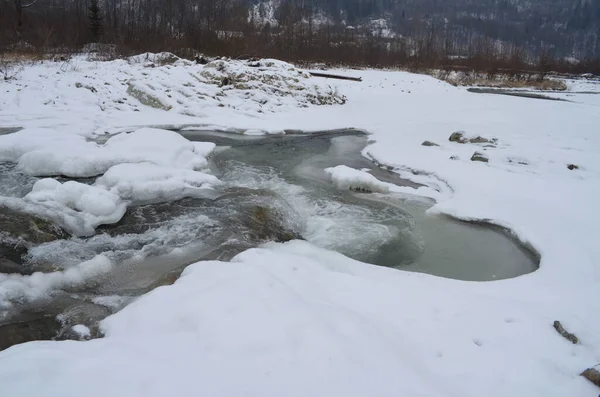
[29, 5]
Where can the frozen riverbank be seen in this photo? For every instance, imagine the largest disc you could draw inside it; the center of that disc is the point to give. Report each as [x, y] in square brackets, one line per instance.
[352, 328]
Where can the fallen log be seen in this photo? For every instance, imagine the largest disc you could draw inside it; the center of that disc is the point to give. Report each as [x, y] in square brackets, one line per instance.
[334, 76]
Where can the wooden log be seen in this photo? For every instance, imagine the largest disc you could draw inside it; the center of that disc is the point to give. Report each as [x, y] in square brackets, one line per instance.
[334, 76]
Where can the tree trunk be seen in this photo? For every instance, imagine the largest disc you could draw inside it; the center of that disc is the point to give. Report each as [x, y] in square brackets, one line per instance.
[19, 9]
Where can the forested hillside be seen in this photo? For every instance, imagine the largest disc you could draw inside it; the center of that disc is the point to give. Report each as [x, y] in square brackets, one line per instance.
[371, 31]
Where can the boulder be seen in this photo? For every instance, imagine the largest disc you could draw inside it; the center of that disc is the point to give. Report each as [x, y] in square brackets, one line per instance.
[478, 156]
[29, 228]
[572, 167]
[18, 232]
[458, 137]
[592, 375]
[429, 143]
[479, 139]
[42, 328]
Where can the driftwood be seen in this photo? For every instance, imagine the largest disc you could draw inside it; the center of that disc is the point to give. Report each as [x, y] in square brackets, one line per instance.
[334, 76]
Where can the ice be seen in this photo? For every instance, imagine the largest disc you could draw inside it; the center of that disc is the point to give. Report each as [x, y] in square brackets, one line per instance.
[144, 182]
[16, 287]
[349, 178]
[84, 159]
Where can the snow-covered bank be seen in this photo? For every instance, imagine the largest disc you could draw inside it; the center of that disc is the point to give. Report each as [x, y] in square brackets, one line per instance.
[295, 320]
[87, 97]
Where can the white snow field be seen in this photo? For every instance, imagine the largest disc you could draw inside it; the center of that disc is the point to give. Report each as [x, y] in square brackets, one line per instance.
[295, 320]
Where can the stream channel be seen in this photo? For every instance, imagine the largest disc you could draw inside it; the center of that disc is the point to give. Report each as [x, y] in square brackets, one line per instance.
[274, 189]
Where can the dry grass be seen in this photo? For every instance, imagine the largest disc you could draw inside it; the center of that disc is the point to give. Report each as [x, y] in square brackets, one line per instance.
[12, 63]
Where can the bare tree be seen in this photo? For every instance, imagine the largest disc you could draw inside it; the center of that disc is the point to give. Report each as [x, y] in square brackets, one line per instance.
[20, 5]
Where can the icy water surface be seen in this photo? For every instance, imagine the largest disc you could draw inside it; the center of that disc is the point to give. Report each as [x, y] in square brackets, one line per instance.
[274, 189]
[383, 229]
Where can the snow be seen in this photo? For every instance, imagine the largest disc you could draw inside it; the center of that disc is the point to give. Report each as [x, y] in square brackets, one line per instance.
[278, 316]
[75, 195]
[297, 320]
[39, 285]
[147, 164]
[76, 207]
[13, 146]
[346, 178]
[81, 330]
[150, 182]
[86, 158]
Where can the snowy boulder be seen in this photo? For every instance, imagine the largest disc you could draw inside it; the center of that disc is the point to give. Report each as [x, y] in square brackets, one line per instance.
[151, 182]
[78, 207]
[463, 137]
[458, 136]
[349, 178]
[79, 158]
[478, 156]
[479, 139]
[429, 143]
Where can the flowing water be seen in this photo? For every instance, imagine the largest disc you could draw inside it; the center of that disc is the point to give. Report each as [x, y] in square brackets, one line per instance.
[274, 188]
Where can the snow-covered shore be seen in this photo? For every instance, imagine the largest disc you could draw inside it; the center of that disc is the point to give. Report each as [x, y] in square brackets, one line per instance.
[293, 319]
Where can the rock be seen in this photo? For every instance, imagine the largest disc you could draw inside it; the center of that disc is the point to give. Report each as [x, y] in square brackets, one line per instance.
[479, 139]
[9, 267]
[266, 224]
[429, 143]
[84, 313]
[478, 156]
[593, 375]
[256, 215]
[43, 328]
[89, 87]
[20, 231]
[454, 158]
[146, 98]
[572, 167]
[29, 228]
[458, 136]
[567, 335]
[200, 60]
